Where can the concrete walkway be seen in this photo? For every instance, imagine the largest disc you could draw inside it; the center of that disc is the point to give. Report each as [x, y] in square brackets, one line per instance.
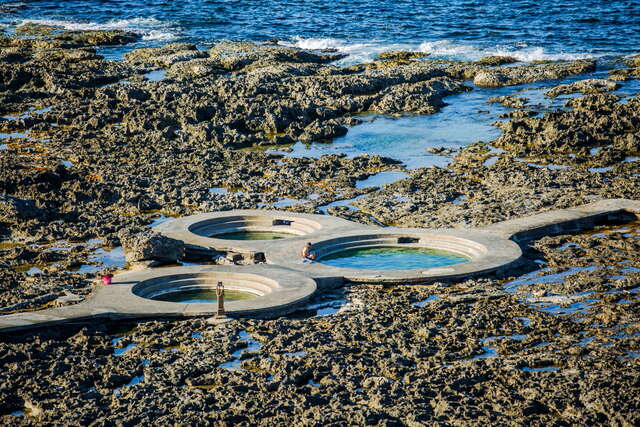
[289, 282]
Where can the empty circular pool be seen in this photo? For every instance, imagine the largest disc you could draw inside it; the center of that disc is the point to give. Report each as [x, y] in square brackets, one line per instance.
[392, 258]
[202, 295]
[254, 235]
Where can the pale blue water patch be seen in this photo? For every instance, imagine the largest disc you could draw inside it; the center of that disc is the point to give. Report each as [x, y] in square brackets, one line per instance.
[465, 120]
[346, 203]
[33, 271]
[122, 350]
[43, 110]
[67, 163]
[196, 335]
[156, 75]
[134, 381]
[236, 357]
[282, 202]
[460, 200]
[569, 245]
[17, 413]
[525, 321]
[545, 369]
[301, 353]
[285, 202]
[489, 352]
[159, 219]
[218, 190]
[392, 258]
[381, 178]
[490, 161]
[549, 166]
[564, 310]
[16, 135]
[601, 170]
[103, 258]
[22, 116]
[312, 383]
[535, 277]
[426, 301]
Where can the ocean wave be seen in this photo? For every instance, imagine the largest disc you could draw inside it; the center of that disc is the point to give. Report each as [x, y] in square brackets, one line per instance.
[148, 28]
[442, 49]
[452, 50]
[357, 52]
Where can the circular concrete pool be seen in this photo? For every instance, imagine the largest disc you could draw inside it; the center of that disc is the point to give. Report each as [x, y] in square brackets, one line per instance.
[202, 295]
[392, 258]
[255, 235]
[253, 227]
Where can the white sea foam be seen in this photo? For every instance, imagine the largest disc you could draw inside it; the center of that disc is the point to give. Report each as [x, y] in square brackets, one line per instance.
[454, 50]
[148, 28]
[358, 52]
[441, 49]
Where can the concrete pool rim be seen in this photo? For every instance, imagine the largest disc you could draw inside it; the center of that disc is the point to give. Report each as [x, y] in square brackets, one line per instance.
[282, 291]
[485, 252]
[200, 230]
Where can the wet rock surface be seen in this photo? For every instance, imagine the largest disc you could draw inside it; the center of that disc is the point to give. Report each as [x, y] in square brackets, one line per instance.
[91, 147]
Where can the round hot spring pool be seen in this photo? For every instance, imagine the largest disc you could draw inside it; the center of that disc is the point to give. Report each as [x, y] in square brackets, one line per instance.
[201, 287]
[254, 235]
[392, 258]
[254, 227]
[202, 295]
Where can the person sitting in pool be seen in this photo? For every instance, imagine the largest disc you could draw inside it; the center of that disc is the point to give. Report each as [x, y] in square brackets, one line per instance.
[308, 253]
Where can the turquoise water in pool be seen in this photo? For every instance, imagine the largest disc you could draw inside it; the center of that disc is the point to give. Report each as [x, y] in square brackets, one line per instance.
[392, 258]
[254, 235]
[203, 296]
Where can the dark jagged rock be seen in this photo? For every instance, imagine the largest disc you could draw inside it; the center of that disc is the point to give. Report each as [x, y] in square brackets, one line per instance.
[496, 60]
[401, 55]
[14, 210]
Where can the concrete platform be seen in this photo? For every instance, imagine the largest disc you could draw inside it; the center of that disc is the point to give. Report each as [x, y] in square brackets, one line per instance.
[285, 281]
[279, 291]
[207, 230]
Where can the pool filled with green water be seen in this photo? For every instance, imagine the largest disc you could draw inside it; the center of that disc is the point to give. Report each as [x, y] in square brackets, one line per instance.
[203, 295]
[254, 235]
[392, 258]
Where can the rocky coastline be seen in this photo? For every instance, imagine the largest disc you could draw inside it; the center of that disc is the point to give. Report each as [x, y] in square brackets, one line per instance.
[94, 151]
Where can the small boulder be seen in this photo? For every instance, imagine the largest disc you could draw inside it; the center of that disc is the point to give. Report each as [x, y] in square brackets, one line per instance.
[150, 246]
[401, 55]
[496, 60]
[490, 79]
[318, 131]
